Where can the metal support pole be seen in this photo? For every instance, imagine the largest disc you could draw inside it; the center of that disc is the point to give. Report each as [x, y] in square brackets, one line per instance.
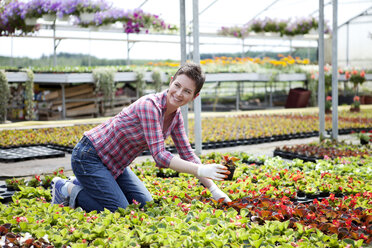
[347, 44]
[321, 97]
[196, 59]
[128, 50]
[242, 48]
[185, 108]
[90, 50]
[11, 51]
[63, 102]
[237, 96]
[54, 44]
[334, 73]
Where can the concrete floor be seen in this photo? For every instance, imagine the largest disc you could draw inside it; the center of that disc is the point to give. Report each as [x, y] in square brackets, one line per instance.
[47, 166]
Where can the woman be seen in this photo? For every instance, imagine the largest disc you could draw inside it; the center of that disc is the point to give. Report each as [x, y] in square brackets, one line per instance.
[101, 159]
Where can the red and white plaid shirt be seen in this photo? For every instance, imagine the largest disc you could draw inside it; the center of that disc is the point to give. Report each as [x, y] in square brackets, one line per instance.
[121, 139]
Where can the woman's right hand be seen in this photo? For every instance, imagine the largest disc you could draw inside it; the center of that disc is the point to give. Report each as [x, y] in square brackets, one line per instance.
[213, 171]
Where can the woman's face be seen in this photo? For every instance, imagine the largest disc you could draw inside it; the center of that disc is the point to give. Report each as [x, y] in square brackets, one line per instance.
[181, 91]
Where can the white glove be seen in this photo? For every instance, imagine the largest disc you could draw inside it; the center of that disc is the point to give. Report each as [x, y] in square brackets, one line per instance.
[218, 194]
[212, 171]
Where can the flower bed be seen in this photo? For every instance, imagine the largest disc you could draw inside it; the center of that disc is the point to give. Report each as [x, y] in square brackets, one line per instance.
[264, 210]
[216, 131]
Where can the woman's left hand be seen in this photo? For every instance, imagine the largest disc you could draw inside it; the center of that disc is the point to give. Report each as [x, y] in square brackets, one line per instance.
[218, 194]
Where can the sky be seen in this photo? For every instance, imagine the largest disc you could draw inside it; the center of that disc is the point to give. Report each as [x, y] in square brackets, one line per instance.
[213, 14]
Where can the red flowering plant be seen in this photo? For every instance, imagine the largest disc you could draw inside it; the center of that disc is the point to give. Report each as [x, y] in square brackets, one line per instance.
[34, 182]
[357, 77]
[15, 183]
[356, 102]
[328, 104]
[59, 173]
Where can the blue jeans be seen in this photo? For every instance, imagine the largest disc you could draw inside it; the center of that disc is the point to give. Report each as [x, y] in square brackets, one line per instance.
[99, 189]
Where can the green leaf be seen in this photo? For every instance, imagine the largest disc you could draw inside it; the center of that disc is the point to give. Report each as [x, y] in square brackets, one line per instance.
[213, 221]
[244, 212]
[218, 213]
[256, 243]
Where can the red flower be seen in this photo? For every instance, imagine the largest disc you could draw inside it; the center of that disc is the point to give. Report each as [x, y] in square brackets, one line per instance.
[362, 74]
[347, 75]
[356, 99]
[329, 98]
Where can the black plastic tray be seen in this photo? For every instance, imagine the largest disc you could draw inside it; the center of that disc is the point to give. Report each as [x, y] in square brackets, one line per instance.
[11, 155]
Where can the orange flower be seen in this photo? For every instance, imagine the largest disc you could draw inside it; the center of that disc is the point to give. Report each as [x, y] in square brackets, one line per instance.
[356, 99]
[354, 72]
[340, 71]
[347, 75]
[362, 73]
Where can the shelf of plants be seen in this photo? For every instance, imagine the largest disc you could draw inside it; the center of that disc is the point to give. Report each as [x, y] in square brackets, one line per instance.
[267, 209]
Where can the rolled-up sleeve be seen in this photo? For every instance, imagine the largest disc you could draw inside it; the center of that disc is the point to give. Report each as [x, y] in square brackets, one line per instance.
[182, 143]
[150, 118]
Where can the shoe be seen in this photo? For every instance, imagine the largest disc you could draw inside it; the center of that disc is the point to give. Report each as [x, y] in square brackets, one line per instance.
[74, 180]
[57, 196]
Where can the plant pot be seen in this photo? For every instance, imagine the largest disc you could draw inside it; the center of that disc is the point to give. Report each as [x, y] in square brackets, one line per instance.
[86, 17]
[31, 21]
[49, 17]
[324, 194]
[64, 18]
[354, 109]
[162, 175]
[231, 175]
[363, 142]
[301, 194]
[328, 111]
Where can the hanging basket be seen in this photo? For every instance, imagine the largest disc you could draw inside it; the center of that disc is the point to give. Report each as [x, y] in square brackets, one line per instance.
[86, 17]
[64, 18]
[31, 21]
[49, 17]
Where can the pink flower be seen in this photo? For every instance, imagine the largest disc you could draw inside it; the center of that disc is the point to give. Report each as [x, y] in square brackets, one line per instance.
[356, 99]
[329, 98]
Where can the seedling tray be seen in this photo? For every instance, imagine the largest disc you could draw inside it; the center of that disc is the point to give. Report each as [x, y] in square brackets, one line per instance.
[5, 194]
[27, 153]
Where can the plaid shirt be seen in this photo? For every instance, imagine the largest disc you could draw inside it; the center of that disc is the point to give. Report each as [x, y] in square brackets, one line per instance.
[121, 139]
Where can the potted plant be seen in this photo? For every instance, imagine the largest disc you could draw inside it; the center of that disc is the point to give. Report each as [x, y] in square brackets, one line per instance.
[86, 10]
[34, 182]
[328, 105]
[363, 137]
[46, 181]
[229, 162]
[357, 78]
[14, 184]
[34, 10]
[355, 106]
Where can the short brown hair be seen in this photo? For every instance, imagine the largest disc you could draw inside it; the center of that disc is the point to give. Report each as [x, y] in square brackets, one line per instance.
[194, 72]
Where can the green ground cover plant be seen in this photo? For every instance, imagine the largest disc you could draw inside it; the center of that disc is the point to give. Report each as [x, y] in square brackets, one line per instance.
[264, 211]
